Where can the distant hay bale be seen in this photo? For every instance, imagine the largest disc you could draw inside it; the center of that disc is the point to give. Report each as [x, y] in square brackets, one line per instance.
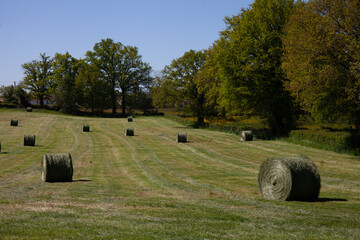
[130, 119]
[246, 136]
[289, 178]
[29, 140]
[29, 109]
[57, 168]
[14, 122]
[182, 137]
[86, 128]
[129, 132]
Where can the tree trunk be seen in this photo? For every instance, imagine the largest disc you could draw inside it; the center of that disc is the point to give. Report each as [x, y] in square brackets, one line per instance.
[200, 121]
[41, 99]
[113, 102]
[357, 122]
[123, 102]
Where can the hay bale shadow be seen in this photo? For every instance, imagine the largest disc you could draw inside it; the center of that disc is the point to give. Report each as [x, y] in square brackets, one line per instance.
[82, 180]
[331, 200]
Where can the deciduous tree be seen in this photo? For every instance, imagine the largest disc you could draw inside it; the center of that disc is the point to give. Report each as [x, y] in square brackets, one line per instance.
[38, 77]
[65, 69]
[121, 67]
[179, 81]
[322, 58]
[249, 63]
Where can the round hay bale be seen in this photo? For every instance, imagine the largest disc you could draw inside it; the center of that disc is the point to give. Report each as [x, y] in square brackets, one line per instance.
[129, 132]
[14, 122]
[29, 140]
[57, 167]
[29, 109]
[130, 119]
[289, 178]
[86, 128]
[246, 136]
[182, 137]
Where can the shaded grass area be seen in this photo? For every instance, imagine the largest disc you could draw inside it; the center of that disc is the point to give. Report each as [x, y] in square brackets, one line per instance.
[337, 137]
[150, 187]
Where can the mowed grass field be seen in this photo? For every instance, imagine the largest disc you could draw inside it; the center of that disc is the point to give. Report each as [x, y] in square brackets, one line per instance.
[150, 187]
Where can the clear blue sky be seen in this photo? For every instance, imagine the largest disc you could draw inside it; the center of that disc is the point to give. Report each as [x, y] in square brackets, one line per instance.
[162, 29]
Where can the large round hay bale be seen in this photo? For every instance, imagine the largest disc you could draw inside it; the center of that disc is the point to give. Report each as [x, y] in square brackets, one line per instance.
[182, 137]
[57, 167]
[86, 128]
[29, 109]
[130, 119]
[246, 136]
[29, 140]
[14, 122]
[129, 132]
[289, 178]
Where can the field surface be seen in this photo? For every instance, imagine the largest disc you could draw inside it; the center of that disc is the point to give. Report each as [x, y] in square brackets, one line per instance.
[150, 187]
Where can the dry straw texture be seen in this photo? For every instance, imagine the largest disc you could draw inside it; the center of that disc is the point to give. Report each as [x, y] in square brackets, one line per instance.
[130, 119]
[246, 136]
[57, 168]
[86, 128]
[182, 137]
[14, 122]
[29, 109]
[289, 178]
[129, 132]
[29, 140]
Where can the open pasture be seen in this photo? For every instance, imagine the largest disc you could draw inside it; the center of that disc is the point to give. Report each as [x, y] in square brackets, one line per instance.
[148, 186]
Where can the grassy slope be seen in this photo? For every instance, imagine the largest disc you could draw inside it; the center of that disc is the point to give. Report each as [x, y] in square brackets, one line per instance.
[150, 187]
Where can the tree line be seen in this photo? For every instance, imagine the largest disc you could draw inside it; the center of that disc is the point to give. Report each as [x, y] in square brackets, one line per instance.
[111, 70]
[275, 59]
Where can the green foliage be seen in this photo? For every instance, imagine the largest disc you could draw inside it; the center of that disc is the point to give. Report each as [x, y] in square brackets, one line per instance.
[249, 62]
[322, 59]
[92, 92]
[342, 141]
[178, 84]
[121, 67]
[14, 95]
[65, 70]
[38, 77]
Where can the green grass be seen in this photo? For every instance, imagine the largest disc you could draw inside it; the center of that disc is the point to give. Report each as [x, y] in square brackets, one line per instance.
[150, 187]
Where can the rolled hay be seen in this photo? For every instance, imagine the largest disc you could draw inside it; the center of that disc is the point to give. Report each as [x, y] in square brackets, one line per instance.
[130, 119]
[29, 109]
[57, 167]
[86, 128]
[14, 122]
[129, 132]
[29, 140]
[246, 136]
[289, 178]
[182, 137]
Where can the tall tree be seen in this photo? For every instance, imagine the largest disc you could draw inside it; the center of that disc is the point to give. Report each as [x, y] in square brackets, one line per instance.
[65, 70]
[179, 78]
[121, 67]
[249, 64]
[38, 77]
[322, 59]
[92, 92]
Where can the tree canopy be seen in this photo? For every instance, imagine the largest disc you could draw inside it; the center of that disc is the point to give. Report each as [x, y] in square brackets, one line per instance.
[178, 84]
[38, 77]
[120, 67]
[322, 59]
[248, 56]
